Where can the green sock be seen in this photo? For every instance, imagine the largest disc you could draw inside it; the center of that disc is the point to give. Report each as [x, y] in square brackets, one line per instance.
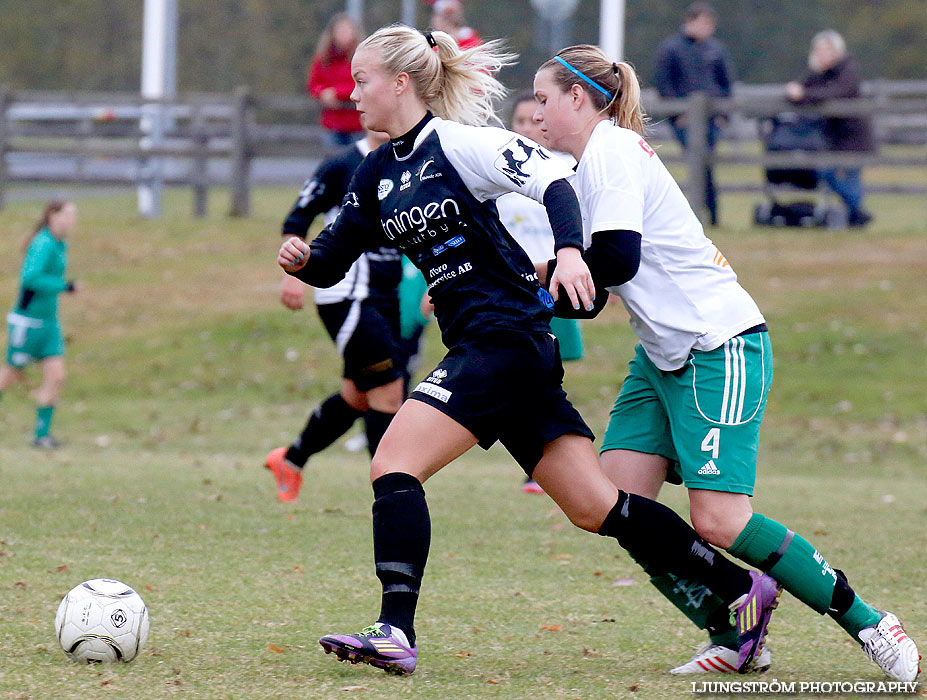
[789, 558]
[43, 419]
[703, 607]
[859, 616]
[799, 567]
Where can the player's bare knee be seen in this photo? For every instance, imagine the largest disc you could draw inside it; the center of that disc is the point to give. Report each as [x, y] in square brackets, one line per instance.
[379, 467]
[383, 462]
[588, 519]
[715, 528]
[387, 398]
[353, 397]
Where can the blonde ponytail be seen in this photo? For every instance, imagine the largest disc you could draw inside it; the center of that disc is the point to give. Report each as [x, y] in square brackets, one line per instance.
[454, 84]
[614, 88]
[626, 108]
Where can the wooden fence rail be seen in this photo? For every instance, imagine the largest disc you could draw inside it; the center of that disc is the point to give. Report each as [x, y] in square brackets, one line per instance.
[238, 128]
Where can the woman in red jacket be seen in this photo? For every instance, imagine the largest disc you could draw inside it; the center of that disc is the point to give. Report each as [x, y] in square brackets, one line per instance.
[330, 80]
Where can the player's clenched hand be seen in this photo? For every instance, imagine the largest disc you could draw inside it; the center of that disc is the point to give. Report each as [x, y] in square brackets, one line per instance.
[292, 292]
[574, 275]
[294, 254]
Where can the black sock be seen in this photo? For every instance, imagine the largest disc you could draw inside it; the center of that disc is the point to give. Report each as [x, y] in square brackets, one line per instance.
[719, 621]
[375, 424]
[662, 543]
[401, 538]
[843, 596]
[332, 419]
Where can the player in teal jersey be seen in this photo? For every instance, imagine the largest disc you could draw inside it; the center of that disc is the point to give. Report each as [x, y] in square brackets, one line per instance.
[34, 332]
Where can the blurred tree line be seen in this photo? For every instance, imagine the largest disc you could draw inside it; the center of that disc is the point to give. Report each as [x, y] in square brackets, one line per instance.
[267, 44]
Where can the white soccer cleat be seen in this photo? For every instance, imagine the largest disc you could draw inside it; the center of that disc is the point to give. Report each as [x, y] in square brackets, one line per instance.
[714, 658]
[891, 648]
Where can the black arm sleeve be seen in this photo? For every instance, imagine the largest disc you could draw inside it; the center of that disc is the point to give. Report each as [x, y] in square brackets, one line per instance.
[335, 249]
[321, 192]
[613, 258]
[563, 212]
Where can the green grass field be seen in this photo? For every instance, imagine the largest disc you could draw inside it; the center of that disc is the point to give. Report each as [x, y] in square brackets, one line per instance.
[185, 370]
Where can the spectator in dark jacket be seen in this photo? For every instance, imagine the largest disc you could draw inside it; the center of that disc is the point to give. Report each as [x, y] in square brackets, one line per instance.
[832, 74]
[695, 61]
[330, 80]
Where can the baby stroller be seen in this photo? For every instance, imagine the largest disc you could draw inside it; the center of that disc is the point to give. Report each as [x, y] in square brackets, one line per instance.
[794, 132]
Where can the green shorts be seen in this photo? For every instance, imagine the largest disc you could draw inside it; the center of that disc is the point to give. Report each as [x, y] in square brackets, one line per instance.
[704, 417]
[570, 337]
[31, 339]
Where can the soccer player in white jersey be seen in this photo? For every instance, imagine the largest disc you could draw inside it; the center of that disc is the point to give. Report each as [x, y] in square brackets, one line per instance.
[690, 408]
[431, 192]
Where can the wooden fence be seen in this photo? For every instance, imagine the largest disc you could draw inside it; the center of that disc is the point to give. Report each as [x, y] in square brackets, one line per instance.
[235, 129]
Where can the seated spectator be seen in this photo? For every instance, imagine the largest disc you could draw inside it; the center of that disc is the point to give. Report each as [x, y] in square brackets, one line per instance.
[330, 80]
[833, 74]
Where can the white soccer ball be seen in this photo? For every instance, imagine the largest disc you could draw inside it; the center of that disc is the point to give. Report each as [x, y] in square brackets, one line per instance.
[102, 621]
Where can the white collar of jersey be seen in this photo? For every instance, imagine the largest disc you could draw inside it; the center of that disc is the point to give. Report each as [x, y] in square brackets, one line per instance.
[427, 129]
[363, 146]
[597, 132]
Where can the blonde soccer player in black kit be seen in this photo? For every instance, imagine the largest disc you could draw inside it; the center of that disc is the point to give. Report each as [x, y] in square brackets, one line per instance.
[690, 408]
[431, 192]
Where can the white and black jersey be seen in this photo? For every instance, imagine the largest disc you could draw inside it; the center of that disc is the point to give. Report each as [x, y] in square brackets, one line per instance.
[434, 199]
[527, 221]
[376, 273]
[431, 193]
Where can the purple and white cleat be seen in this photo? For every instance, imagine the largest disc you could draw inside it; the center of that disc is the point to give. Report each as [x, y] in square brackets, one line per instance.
[378, 645]
[750, 616]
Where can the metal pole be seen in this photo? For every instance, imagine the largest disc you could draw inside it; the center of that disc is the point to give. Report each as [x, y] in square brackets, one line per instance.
[159, 82]
[611, 28]
[557, 33]
[355, 8]
[408, 13]
[5, 100]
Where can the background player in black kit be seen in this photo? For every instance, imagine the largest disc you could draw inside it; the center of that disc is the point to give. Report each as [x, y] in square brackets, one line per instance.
[360, 313]
[431, 192]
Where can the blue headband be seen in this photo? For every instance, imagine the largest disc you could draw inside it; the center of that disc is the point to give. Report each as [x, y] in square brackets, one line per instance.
[585, 77]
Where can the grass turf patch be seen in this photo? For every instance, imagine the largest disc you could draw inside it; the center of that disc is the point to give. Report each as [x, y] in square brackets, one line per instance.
[185, 370]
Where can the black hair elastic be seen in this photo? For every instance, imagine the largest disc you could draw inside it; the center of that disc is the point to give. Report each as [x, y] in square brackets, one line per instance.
[617, 73]
[429, 37]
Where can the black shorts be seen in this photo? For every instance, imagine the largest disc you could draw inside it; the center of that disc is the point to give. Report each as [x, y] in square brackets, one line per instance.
[505, 386]
[366, 334]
